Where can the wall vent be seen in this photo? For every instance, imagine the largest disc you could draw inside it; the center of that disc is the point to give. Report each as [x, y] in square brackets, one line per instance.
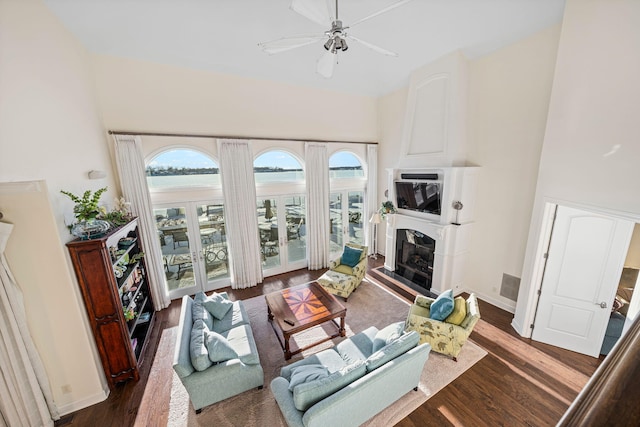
[510, 287]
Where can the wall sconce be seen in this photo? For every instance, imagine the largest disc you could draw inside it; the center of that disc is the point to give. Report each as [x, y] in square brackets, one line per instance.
[457, 205]
[97, 174]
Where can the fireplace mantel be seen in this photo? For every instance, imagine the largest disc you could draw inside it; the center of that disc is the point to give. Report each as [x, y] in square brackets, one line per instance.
[452, 240]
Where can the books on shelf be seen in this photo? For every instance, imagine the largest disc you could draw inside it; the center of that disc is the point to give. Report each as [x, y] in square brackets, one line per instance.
[144, 317]
[134, 343]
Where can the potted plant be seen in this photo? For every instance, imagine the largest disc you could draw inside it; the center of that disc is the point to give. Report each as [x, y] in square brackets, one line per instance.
[387, 208]
[120, 215]
[86, 211]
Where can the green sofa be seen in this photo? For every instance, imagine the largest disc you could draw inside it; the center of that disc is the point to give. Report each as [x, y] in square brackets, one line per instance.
[223, 379]
[359, 381]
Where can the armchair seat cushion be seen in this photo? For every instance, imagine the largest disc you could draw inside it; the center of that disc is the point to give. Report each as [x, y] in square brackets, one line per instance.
[344, 269]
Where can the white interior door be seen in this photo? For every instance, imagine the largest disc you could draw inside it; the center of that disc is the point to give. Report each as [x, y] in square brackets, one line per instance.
[585, 259]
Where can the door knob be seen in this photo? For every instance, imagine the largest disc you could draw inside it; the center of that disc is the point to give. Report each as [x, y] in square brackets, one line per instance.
[602, 304]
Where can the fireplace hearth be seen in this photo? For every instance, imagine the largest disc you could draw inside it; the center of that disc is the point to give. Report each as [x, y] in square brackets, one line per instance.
[414, 258]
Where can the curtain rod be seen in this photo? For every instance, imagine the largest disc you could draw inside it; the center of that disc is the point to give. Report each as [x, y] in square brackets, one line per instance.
[188, 135]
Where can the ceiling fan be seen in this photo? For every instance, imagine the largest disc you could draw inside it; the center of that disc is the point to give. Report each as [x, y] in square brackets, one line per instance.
[335, 38]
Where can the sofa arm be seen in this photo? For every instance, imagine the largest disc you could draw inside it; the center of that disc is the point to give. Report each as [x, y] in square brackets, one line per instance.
[336, 262]
[360, 269]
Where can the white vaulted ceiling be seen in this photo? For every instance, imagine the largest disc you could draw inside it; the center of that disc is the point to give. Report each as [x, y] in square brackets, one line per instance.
[222, 35]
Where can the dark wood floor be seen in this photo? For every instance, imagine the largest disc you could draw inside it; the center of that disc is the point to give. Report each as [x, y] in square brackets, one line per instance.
[518, 383]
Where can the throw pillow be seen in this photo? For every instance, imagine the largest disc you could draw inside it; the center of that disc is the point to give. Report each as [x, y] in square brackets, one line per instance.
[303, 373]
[199, 353]
[386, 335]
[442, 306]
[218, 347]
[389, 352]
[199, 312]
[217, 305]
[351, 256]
[459, 311]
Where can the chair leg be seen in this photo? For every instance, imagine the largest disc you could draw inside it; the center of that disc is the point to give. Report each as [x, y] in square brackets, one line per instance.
[415, 388]
[198, 411]
[455, 359]
[260, 387]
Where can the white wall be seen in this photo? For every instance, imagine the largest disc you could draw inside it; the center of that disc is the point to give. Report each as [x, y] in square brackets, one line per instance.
[590, 152]
[50, 131]
[142, 96]
[508, 93]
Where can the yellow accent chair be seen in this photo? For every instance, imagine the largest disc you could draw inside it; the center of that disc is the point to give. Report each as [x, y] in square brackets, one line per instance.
[342, 279]
[444, 336]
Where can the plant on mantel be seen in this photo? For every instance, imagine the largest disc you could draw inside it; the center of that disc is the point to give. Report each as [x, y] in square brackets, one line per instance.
[387, 208]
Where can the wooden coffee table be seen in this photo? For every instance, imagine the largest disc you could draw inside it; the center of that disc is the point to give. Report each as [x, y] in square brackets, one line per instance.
[297, 309]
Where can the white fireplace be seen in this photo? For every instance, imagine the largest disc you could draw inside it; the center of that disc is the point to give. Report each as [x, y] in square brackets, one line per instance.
[449, 228]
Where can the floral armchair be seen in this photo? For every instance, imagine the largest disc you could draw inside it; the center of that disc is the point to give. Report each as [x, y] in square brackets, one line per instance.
[446, 338]
[341, 279]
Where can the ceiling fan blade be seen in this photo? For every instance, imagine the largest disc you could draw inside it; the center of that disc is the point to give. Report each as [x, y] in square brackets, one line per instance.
[373, 46]
[314, 10]
[326, 64]
[287, 43]
[380, 12]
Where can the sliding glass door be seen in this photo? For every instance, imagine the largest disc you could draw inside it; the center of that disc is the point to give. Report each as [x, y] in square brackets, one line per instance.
[346, 215]
[194, 246]
[281, 222]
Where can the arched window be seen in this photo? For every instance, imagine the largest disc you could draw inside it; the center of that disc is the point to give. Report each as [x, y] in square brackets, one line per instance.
[277, 166]
[182, 167]
[345, 165]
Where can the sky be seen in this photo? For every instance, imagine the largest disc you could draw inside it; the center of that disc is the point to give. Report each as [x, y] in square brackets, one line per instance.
[194, 159]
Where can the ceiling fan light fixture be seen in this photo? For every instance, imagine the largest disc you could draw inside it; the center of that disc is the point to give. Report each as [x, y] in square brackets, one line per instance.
[344, 45]
[329, 45]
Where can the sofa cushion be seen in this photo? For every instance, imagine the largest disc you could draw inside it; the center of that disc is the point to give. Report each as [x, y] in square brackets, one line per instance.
[350, 256]
[442, 306]
[459, 311]
[199, 312]
[307, 394]
[241, 340]
[217, 305]
[236, 316]
[220, 350]
[392, 350]
[386, 335]
[199, 353]
[329, 358]
[358, 347]
[306, 373]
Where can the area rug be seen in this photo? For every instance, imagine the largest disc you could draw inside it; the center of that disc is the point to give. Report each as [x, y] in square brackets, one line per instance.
[370, 305]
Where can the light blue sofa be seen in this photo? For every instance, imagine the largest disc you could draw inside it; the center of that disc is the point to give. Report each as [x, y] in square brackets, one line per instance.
[361, 382]
[225, 379]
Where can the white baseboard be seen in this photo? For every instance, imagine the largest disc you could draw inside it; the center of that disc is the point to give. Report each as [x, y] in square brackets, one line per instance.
[510, 307]
[84, 402]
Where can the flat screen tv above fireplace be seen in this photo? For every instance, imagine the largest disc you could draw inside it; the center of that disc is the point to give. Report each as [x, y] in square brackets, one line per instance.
[419, 196]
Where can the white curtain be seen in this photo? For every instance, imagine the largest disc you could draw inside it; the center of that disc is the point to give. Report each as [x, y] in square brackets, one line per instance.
[239, 189]
[372, 192]
[317, 181]
[133, 180]
[25, 394]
